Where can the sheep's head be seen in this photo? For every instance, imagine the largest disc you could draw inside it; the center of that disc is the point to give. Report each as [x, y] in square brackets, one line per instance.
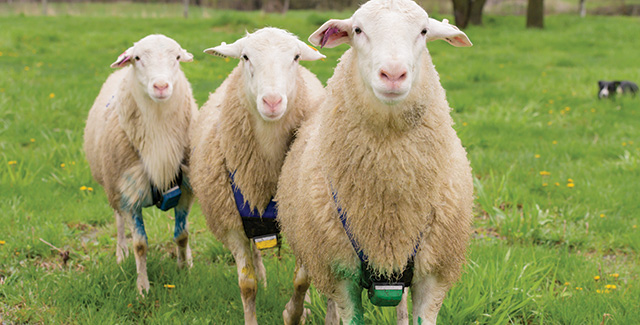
[269, 59]
[389, 39]
[155, 61]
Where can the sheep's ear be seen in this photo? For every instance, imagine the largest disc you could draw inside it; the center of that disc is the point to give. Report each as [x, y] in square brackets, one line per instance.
[309, 53]
[185, 56]
[447, 32]
[332, 33]
[227, 50]
[124, 59]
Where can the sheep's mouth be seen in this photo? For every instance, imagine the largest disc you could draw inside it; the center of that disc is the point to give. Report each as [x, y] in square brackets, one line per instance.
[391, 97]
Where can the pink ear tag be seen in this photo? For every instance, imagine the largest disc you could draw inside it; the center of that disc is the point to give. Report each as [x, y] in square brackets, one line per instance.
[327, 34]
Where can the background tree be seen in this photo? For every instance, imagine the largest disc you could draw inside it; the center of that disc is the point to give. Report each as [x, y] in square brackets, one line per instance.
[535, 14]
[468, 11]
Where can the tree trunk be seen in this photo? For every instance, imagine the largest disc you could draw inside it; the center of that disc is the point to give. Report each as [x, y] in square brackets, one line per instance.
[475, 14]
[583, 8]
[535, 14]
[44, 7]
[186, 8]
[461, 13]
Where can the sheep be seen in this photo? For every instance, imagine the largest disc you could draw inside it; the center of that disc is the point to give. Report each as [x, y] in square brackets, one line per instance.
[379, 177]
[136, 141]
[241, 136]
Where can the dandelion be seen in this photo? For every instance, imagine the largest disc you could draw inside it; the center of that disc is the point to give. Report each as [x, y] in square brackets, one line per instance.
[537, 156]
[0, 53]
[170, 286]
[63, 165]
[550, 101]
[17, 253]
[556, 184]
[607, 291]
[599, 291]
[569, 180]
[73, 163]
[579, 288]
[90, 189]
[550, 111]
[545, 184]
[597, 277]
[614, 275]
[12, 162]
[26, 68]
[593, 110]
[624, 144]
[634, 226]
[570, 185]
[567, 283]
[630, 142]
[549, 123]
[227, 59]
[83, 188]
[554, 142]
[611, 286]
[130, 305]
[2, 242]
[545, 173]
[567, 108]
[32, 140]
[465, 123]
[52, 95]
[602, 215]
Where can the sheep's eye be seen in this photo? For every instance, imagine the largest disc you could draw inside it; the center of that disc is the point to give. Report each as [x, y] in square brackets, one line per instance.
[245, 57]
[424, 32]
[137, 58]
[178, 58]
[357, 30]
[297, 57]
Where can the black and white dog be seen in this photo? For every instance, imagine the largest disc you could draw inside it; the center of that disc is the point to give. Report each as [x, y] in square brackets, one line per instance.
[610, 88]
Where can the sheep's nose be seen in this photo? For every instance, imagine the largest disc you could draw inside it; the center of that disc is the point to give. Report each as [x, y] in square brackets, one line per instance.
[272, 101]
[161, 86]
[393, 74]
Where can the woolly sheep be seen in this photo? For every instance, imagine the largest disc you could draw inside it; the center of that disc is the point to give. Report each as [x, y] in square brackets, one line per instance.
[382, 150]
[245, 128]
[137, 136]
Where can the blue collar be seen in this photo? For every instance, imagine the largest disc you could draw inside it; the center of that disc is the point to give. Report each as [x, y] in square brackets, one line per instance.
[271, 212]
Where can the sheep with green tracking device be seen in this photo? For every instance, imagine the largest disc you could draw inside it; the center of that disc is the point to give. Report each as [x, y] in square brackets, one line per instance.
[376, 192]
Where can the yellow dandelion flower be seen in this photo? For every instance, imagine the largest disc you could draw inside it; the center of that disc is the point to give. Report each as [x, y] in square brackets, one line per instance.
[39, 64]
[549, 123]
[567, 108]
[545, 184]
[579, 288]
[561, 112]
[614, 287]
[73, 163]
[567, 283]
[227, 59]
[554, 142]
[634, 226]
[607, 291]
[614, 275]
[537, 156]
[599, 291]
[465, 123]
[593, 110]
[130, 305]
[12, 162]
[17, 253]
[26, 68]
[52, 95]
[0, 53]
[170, 286]
[597, 277]
[602, 215]
[63, 165]
[32, 140]
[2, 242]
[570, 180]
[571, 185]
[630, 142]
[556, 184]
[545, 173]
[90, 189]
[550, 101]
[624, 144]
[83, 188]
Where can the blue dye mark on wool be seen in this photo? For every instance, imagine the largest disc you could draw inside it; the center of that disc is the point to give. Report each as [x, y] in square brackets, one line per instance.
[181, 222]
[270, 212]
[138, 225]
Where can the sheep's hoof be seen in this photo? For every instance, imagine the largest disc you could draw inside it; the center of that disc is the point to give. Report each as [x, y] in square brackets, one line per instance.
[143, 285]
[287, 319]
[184, 257]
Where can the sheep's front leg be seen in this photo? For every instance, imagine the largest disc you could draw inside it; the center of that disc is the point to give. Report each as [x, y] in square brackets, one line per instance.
[261, 272]
[294, 312]
[348, 298]
[428, 294]
[122, 251]
[181, 233]
[332, 317]
[140, 247]
[402, 311]
[240, 247]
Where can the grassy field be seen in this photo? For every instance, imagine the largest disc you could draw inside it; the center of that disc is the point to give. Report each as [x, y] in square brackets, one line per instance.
[556, 174]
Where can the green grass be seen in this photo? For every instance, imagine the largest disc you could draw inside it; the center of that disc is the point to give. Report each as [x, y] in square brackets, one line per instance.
[524, 102]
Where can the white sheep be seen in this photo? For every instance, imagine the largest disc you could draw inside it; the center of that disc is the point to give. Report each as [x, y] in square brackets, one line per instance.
[382, 155]
[137, 143]
[244, 130]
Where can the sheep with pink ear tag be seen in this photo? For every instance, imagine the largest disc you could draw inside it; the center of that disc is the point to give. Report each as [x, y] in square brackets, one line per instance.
[376, 192]
[137, 144]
